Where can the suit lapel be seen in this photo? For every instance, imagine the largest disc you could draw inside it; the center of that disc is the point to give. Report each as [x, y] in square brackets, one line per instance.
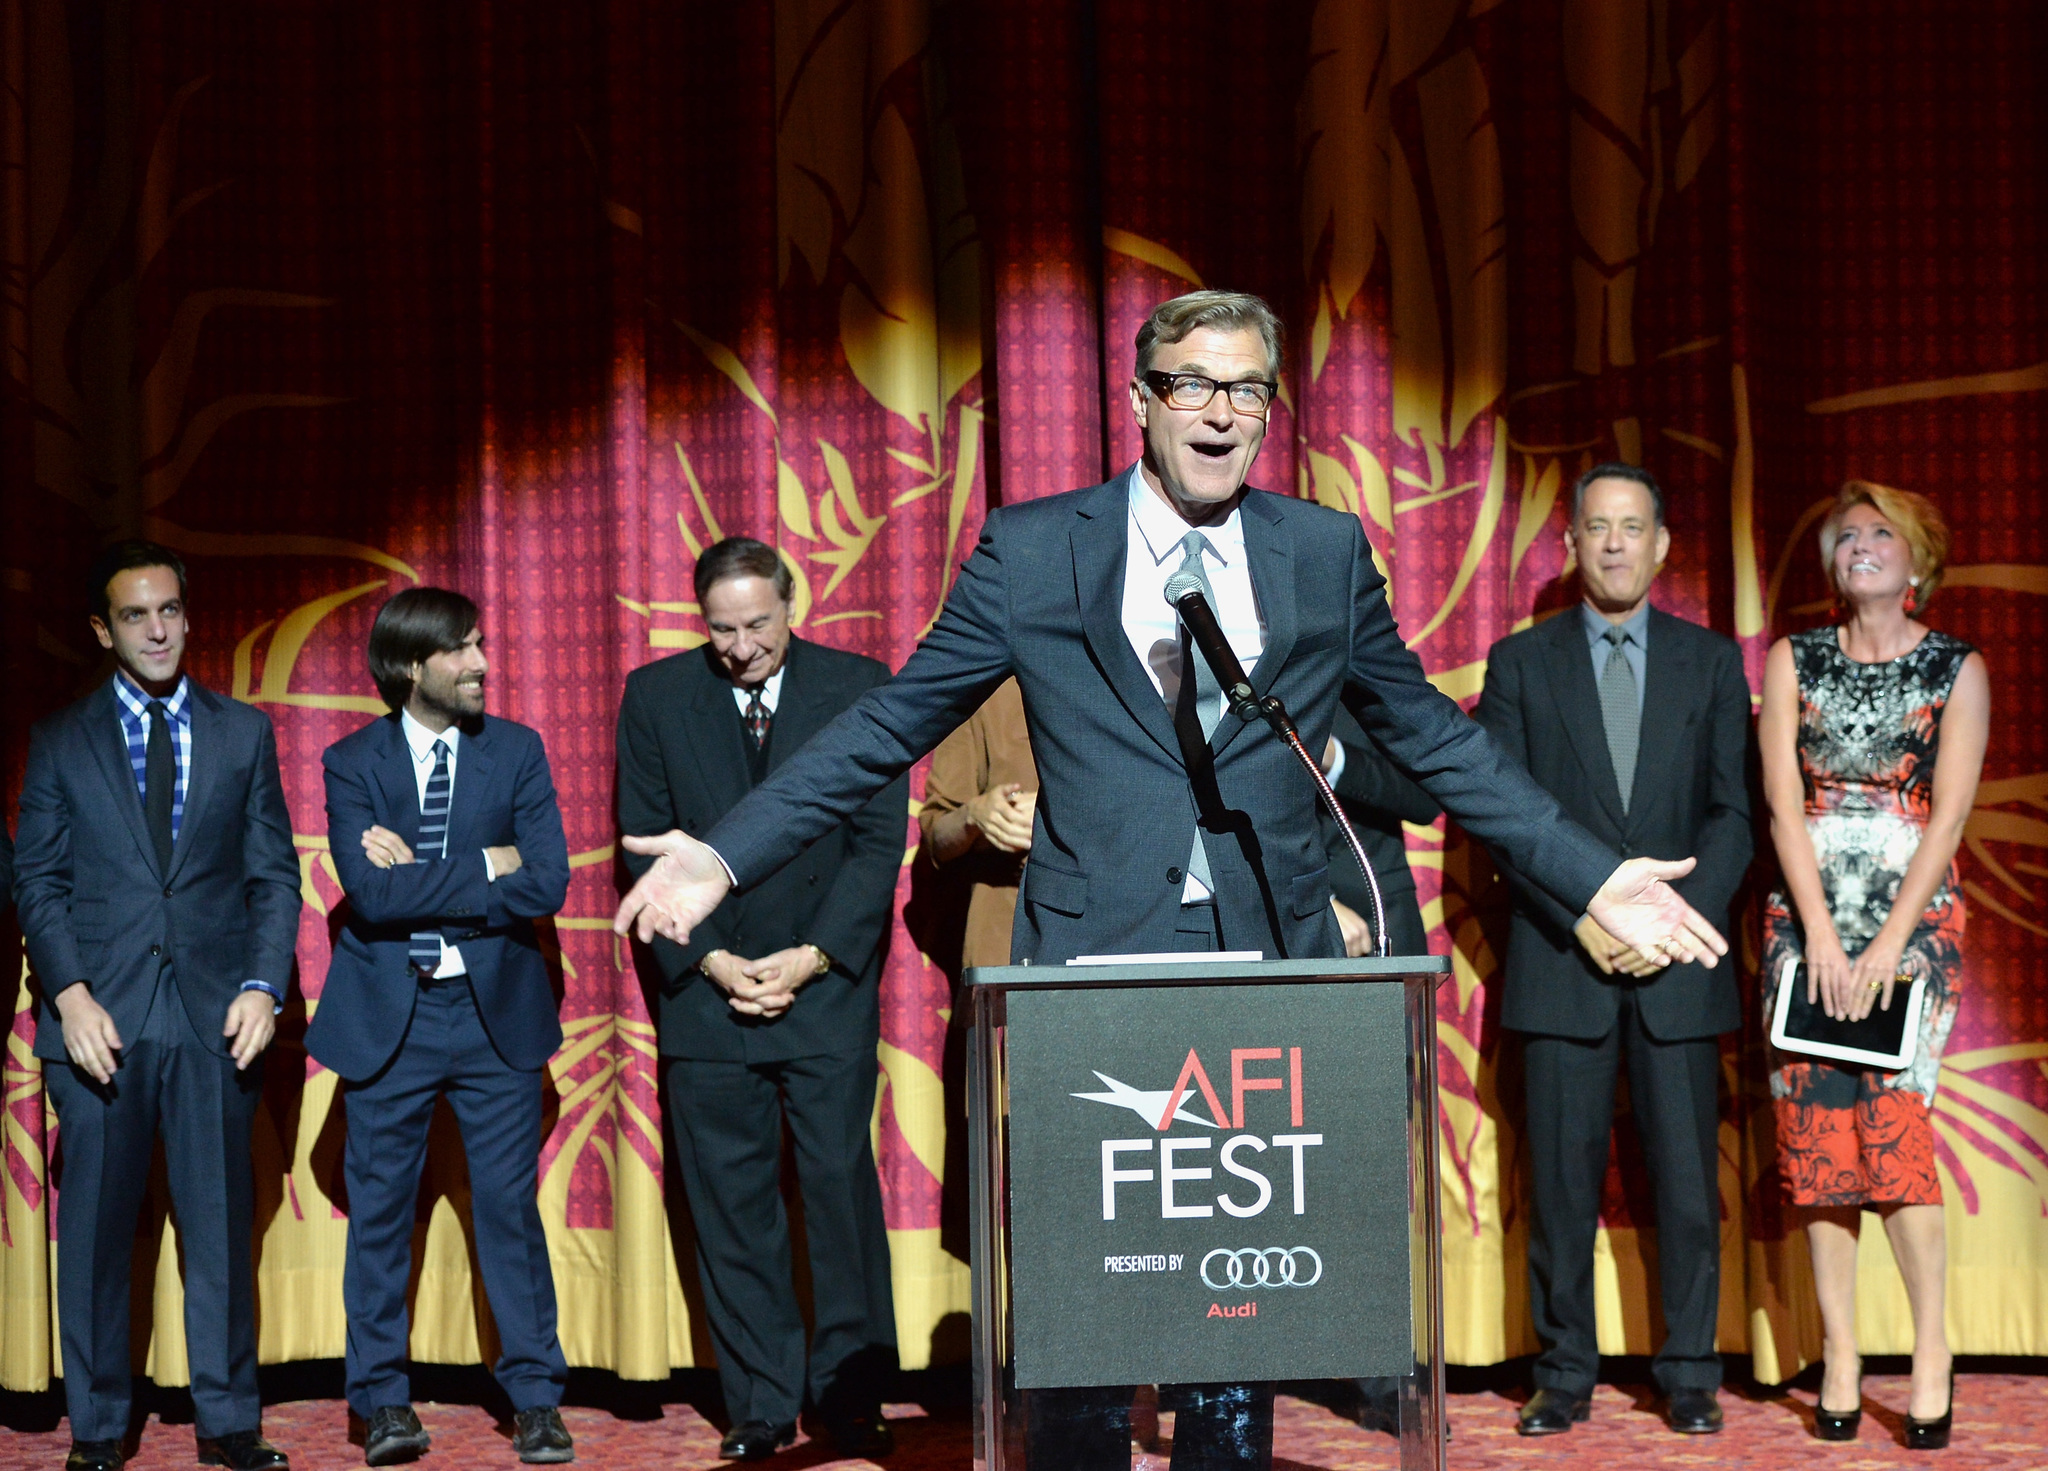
[473, 769]
[394, 774]
[800, 712]
[1270, 558]
[1669, 695]
[1100, 544]
[108, 740]
[1578, 708]
[205, 773]
[715, 736]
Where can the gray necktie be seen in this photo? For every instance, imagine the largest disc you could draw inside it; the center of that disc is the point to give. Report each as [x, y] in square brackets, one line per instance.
[1200, 702]
[1620, 712]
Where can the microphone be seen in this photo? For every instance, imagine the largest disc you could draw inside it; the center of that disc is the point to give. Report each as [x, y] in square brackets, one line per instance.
[1184, 595]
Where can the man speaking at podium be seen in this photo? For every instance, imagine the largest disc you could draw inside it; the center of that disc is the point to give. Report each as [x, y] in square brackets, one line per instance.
[1163, 823]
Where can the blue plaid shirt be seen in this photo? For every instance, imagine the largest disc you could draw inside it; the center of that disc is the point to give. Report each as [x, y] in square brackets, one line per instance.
[133, 706]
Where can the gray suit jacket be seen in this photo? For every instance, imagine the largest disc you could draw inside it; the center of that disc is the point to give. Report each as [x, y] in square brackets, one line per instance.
[1691, 799]
[1119, 806]
[95, 905]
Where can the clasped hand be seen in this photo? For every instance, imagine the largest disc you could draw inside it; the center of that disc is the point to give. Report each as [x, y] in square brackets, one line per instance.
[1003, 815]
[1847, 989]
[766, 987]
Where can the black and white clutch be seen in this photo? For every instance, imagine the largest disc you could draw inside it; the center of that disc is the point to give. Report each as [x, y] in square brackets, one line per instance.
[1885, 1040]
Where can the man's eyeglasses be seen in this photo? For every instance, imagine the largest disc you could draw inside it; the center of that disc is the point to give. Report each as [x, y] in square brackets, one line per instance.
[1251, 396]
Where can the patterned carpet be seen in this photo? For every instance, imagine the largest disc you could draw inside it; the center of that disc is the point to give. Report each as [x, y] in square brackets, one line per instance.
[2002, 1423]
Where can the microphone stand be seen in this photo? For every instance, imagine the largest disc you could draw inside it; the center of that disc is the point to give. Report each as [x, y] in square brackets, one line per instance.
[1184, 593]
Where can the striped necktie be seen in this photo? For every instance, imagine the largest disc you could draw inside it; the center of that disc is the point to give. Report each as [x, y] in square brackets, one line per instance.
[425, 953]
[1199, 706]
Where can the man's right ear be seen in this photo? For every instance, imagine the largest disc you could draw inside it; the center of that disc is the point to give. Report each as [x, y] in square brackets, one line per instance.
[100, 630]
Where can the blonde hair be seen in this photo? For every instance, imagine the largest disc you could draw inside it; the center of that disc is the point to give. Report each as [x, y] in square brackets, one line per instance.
[1912, 515]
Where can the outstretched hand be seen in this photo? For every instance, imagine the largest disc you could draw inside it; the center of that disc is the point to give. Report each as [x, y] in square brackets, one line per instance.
[1638, 907]
[677, 894]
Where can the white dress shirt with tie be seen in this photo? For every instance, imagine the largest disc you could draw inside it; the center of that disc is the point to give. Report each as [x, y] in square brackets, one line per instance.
[420, 741]
[1153, 553]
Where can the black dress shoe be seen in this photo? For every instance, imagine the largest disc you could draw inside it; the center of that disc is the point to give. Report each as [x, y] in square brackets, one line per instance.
[865, 1436]
[755, 1440]
[541, 1438]
[243, 1450]
[1932, 1435]
[1693, 1412]
[394, 1434]
[1552, 1412]
[1838, 1424]
[95, 1455]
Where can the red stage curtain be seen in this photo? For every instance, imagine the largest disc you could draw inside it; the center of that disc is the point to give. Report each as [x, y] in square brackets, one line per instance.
[538, 300]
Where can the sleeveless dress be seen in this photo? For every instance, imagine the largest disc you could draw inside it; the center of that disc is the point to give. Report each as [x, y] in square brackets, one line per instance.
[1868, 734]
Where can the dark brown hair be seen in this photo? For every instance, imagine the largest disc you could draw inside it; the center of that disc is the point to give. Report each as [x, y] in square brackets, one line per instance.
[742, 556]
[413, 626]
[1171, 321]
[126, 556]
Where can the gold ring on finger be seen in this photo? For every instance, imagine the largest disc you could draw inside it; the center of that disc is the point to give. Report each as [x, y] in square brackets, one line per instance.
[1877, 985]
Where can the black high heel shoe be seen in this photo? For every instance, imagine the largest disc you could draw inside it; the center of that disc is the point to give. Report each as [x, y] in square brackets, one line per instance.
[1932, 1435]
[1839, 1424]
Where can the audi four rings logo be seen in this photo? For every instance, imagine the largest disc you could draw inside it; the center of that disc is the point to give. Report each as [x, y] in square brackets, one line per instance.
[1253, 1266]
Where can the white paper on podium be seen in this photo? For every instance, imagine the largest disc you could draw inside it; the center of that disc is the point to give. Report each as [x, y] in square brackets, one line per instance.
[1178, 957]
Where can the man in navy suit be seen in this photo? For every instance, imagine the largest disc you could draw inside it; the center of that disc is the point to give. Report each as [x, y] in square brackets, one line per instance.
[1211, 841]
[159, 896]
[447, 839]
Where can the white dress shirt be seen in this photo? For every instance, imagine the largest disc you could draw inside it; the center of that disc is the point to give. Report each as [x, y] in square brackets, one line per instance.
[420, 741]
[771, 691]
[1152, 555]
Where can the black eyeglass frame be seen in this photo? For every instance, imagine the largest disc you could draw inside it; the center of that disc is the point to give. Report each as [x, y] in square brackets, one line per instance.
[1161, 383]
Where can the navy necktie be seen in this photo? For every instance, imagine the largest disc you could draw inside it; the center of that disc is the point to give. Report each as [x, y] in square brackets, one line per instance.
[160, 783]
[425, 952]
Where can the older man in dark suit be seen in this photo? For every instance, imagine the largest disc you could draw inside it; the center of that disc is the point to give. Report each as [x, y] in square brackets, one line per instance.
[1638, 724]
[769, 1012]
[1211, 840]
[448, 841]
[159, 896]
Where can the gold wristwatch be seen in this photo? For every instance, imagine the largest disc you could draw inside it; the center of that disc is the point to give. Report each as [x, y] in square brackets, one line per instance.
[824, 960]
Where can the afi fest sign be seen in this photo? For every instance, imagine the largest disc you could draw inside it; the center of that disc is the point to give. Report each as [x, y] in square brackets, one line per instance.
[1208, 1183]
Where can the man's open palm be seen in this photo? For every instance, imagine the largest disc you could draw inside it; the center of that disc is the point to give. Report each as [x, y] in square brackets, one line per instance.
[677, 894]
[1638, 906]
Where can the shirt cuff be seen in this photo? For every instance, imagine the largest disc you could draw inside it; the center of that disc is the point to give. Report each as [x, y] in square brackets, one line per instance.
[276, 1001]
[490, 868]
[730, 876]
[1336, 767]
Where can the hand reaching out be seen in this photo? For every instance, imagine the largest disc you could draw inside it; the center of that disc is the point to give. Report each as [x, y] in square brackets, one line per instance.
[1638, 907]
[677, 894]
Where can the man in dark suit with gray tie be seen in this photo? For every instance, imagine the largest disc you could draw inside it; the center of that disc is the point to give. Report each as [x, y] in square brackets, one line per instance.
[769, 1014]
[1638, 724]
[159, 897]
[1163, 824]
[448, 841]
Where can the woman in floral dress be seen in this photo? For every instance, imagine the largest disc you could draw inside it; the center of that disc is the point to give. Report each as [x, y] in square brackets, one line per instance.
[1872, 736]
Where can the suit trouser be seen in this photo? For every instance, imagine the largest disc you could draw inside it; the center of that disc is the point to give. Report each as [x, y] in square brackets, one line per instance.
[498, 1108]
[168, 1080]
[1216, 1427]
[1673, 1088]
[727, 1119]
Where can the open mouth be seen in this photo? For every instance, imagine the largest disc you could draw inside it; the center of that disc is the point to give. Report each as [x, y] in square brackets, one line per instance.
[1212, 451]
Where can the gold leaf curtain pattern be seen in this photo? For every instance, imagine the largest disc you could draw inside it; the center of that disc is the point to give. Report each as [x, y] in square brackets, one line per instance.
[542, 307]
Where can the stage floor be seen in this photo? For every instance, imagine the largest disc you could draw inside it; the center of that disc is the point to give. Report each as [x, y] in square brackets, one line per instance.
[2002, 1422]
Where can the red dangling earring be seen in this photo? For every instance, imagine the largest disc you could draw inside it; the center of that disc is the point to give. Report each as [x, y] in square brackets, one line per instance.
[1912, 598]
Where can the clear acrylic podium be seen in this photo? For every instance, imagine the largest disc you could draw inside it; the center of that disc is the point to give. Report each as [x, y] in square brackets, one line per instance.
[1212, 1176]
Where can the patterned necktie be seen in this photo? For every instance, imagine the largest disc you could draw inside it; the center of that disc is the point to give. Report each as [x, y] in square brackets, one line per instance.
[425, 951]
[160, 783]
[1199, 704]
[757, 716]
[1620, 712]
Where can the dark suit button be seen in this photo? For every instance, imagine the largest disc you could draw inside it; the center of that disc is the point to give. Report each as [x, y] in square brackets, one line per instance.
[812, 879]
[156, 950]
[1173, 875]
[167, 891]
